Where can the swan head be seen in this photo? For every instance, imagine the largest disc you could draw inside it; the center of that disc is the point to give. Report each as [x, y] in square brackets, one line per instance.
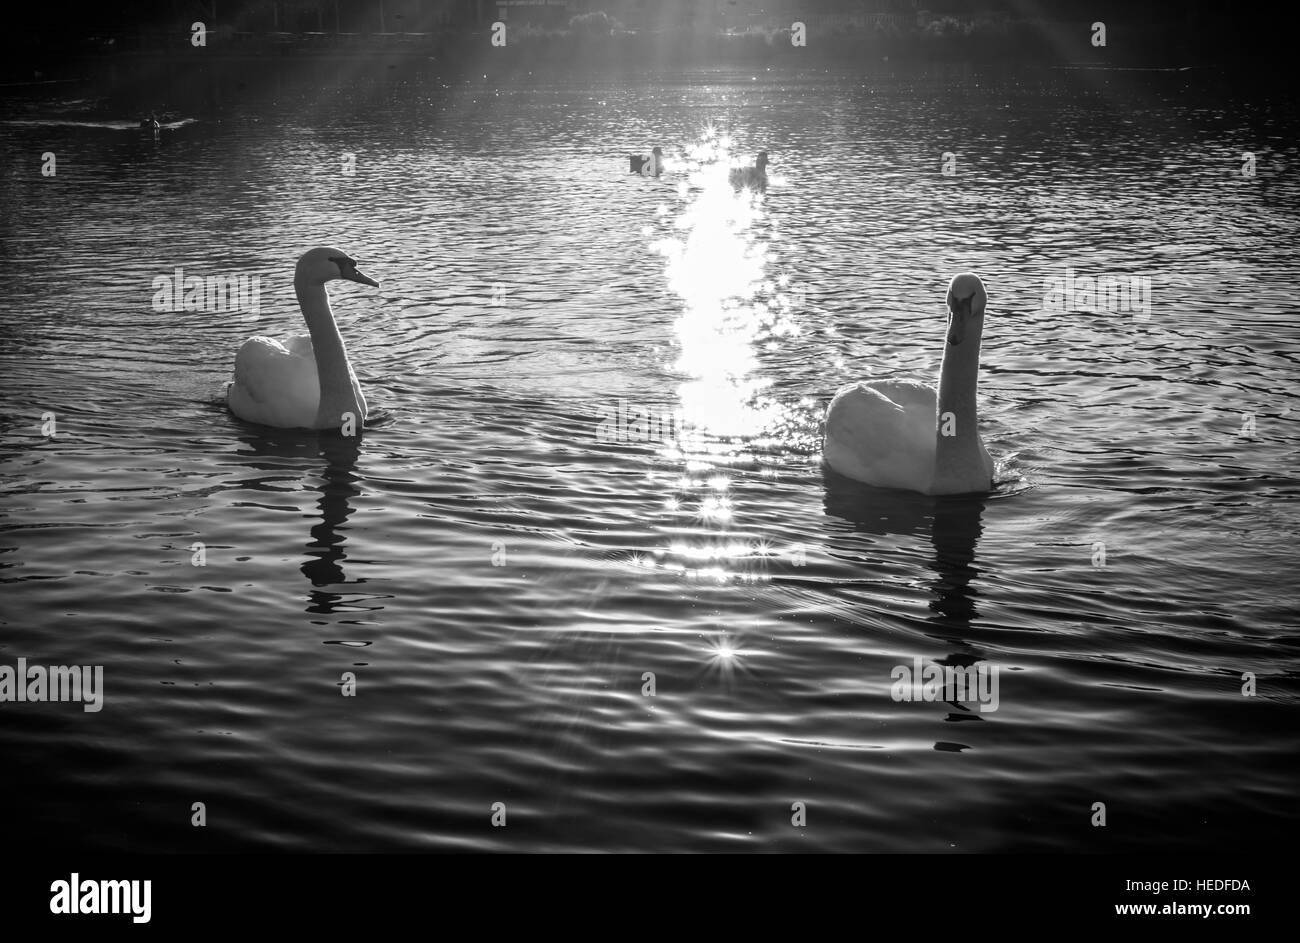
[658, 151]
[323, 264]
[966, 301]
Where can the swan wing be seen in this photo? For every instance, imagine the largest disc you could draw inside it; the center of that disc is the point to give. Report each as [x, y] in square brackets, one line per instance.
[276, 384]
[882, 433]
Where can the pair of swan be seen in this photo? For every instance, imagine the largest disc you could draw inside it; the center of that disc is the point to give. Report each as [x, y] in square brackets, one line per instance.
[889, 433]
[653, 165]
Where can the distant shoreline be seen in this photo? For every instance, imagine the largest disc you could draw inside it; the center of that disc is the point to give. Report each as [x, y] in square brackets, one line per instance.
[47, 58]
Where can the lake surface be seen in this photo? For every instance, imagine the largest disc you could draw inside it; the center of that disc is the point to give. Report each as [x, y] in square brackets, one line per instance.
[499, 562]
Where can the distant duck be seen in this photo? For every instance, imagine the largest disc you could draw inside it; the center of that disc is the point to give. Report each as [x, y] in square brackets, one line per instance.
[909, 435]
[651, 166]
[755, 177]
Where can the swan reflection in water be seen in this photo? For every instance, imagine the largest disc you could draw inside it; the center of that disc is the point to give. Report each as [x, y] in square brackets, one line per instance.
[338, 487]
[953, 524]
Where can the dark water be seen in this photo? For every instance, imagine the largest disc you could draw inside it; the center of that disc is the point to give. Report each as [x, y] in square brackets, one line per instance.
[499, 575]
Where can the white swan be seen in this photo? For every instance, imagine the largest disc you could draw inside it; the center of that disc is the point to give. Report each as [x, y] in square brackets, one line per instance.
[899, 434]
[307, 382]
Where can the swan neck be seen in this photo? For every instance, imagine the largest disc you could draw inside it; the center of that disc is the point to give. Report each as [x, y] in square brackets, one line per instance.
[337, 395]
[957, 430]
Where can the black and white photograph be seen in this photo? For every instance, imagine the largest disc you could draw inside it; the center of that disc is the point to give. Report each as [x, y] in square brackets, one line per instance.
[561, 427]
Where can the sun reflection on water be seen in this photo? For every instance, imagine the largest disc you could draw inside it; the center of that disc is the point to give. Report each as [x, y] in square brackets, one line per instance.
[727, 654]
[716, 263]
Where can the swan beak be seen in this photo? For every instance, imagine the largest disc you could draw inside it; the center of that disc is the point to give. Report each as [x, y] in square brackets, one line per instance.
[356, 276]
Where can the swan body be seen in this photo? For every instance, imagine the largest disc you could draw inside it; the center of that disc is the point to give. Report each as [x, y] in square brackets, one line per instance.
[307, 382]
[909, 435]
[754, 177]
